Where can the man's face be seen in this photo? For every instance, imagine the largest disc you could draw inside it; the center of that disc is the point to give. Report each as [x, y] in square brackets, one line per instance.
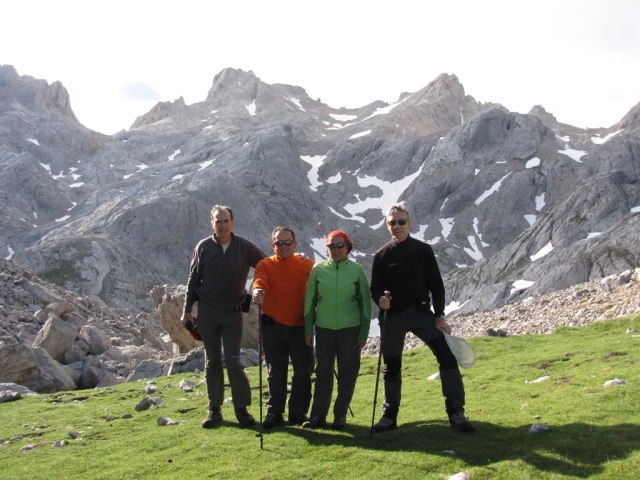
[222, 225]
[397, 231]
[279, 245]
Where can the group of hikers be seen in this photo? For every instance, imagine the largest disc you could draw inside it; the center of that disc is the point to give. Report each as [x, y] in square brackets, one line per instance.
[326, 304]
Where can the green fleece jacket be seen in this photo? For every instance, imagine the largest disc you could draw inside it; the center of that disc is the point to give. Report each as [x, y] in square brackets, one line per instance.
[337, 297]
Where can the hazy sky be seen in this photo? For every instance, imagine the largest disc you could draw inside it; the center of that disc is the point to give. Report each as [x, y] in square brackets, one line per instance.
[579, 59]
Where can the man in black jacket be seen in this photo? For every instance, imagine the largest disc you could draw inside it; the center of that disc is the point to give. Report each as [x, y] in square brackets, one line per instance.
[408, 269]
[219, 269]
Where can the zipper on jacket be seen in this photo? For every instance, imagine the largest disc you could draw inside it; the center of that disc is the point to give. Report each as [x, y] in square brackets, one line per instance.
[335, 316]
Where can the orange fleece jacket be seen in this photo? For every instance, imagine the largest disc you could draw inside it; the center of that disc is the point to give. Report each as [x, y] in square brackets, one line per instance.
[284, 282]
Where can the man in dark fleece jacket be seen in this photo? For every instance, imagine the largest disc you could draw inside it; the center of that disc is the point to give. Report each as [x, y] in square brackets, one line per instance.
[408, 269]
[219, 269]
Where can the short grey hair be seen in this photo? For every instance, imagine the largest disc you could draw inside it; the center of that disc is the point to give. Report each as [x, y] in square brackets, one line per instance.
[219, 208]
[397, 207]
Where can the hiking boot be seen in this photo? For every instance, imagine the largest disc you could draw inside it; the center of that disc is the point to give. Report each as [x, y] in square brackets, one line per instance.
[384, 425]
[460, 422]
[271, 420]
[213, 418]
[339, 423]
[244, 417]
[298, 418]
[315, 422]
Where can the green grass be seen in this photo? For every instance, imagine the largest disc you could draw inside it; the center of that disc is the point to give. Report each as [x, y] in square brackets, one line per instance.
[594, 432]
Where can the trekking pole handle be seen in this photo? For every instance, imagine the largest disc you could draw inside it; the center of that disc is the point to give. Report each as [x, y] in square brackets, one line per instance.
[257, 291]
[387, 294]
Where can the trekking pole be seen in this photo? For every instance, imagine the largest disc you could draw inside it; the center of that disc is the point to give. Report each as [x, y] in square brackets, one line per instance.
[260, 370]
[375, 395]
[336, 375]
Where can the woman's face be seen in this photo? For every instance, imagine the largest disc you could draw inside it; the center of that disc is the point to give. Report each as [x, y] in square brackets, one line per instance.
[337, 254]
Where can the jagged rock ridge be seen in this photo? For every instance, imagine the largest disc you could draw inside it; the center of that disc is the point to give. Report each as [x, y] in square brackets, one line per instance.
[507, 199]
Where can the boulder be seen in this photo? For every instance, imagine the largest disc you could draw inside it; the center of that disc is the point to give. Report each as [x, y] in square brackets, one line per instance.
[93, 302]
[109, 379]
[17, 363]
[168, 301]
[130, 353]
[49, 376]
[147, 369]
[249, 357]
[74, 355]
[56, 337]
[58, 308]
[41, 294]
[9, 397]
[150, 335]
[95, 338]
[15, 388]
[615, 280]
[92, 373]
[189, 362]
[75, 371]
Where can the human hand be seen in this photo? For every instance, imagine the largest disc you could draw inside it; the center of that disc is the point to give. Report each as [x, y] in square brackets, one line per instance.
[308, 339]
[443, 326]
[361, 343]
[257, 296]
[186, 317]
[385, 302]
[303, 256]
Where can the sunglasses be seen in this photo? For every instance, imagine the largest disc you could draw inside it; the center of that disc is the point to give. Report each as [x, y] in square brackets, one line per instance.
[333, 246]
[280, 243]
[402, 222]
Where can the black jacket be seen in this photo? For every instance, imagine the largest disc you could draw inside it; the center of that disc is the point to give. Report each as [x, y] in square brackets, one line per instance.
[408, 270]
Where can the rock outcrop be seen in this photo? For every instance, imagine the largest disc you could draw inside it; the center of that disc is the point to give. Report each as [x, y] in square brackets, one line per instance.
[51, 339]
[579, 305]
[168, 302]
[490, 189]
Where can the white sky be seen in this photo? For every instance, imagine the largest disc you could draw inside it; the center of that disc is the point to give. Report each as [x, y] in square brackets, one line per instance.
[580, 59]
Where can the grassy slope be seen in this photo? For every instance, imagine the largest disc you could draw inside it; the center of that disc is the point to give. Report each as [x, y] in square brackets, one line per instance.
[594, 431]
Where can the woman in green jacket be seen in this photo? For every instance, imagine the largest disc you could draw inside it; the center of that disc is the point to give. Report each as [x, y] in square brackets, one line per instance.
[337, 305]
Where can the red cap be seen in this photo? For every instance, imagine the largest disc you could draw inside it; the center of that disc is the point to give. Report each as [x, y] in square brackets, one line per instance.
[340, 233]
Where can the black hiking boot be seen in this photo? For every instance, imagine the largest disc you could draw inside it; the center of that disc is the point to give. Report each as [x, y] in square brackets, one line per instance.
[460, 422]
[384, 425]
[213, 419]
[339, 423]
[272, 420]
[315, 422]
[244, 417]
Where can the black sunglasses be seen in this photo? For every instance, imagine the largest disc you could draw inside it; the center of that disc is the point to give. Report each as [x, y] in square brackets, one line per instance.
[280, 243]
[333, 246]
[402, 222]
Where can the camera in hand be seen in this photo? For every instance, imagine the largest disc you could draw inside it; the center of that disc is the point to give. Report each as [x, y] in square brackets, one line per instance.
[192, 328]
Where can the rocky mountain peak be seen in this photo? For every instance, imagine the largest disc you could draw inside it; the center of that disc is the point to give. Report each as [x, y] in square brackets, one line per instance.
[162, 111]
[443, 85]
[35, 95]
[9, 81]
[550, 120]
[540, 112]
[231, 83]
[495, 192]
[630, 120]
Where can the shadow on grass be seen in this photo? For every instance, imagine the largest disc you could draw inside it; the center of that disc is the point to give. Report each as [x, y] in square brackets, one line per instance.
[577, 449]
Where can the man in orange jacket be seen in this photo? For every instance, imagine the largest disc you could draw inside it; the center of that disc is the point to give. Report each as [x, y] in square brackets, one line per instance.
[279, 285]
